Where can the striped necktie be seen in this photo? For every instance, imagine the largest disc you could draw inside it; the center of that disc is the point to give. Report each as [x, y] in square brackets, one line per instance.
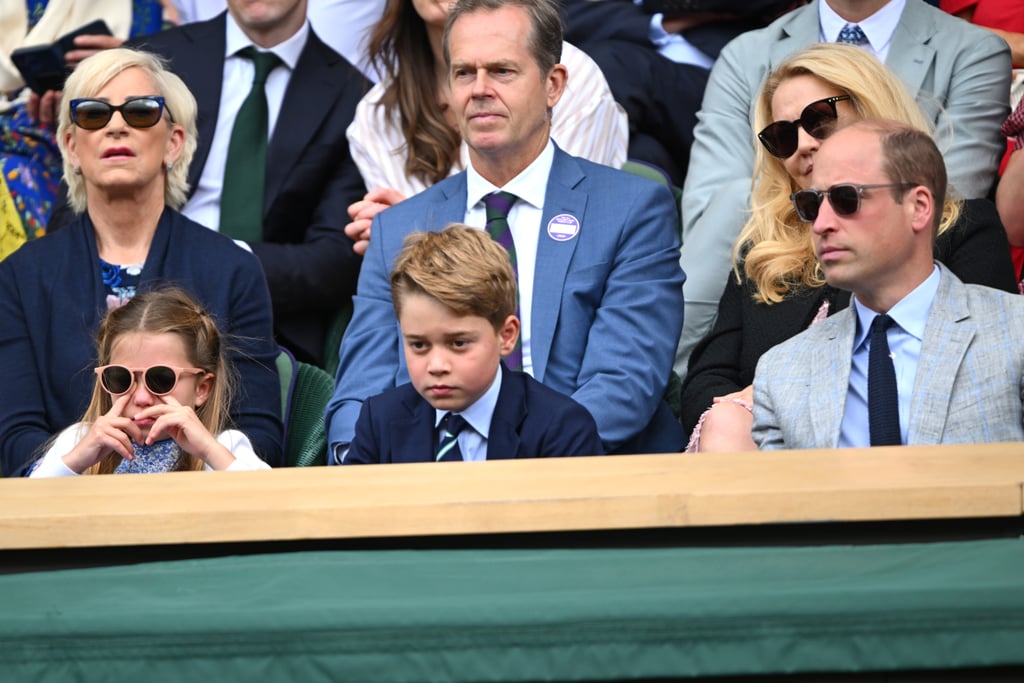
[497, 205]
[448, 444]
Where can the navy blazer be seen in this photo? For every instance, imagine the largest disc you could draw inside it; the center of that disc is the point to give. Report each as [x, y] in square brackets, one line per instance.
[529, 421]
[607, 302]
[52, 299]
[311, 178]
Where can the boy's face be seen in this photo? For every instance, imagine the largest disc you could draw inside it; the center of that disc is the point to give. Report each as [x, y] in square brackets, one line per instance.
[452, 359]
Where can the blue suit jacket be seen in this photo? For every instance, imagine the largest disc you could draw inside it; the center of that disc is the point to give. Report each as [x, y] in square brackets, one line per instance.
[52, 300]
[969, 385]
[607, 304]
[311, 178]
[529, 421]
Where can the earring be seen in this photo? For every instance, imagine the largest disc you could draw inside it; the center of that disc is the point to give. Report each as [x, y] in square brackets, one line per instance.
[169, 165]
[77, 170]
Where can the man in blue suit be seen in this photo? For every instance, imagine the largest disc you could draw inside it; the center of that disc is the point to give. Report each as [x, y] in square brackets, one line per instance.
[455, 296]
[596, 248]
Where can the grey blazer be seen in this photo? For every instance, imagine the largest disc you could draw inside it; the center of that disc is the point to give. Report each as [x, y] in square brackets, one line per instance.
[958, 73]
[969, 386]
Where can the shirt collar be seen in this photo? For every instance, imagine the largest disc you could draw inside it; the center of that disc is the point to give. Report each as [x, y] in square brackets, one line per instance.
[529, 186]
[878, 28]
[288, 51]
[480, 412]
[910, 312]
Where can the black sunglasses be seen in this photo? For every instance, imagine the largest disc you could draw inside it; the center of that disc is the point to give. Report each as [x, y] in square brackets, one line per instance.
[845, 199]
[138, 112]
[781, 138]
[160, 379]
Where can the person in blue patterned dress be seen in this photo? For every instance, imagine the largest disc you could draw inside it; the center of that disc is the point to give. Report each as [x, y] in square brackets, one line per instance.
[161, 397]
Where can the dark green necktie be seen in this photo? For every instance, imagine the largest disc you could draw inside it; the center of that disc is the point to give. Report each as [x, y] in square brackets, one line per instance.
[241, 202]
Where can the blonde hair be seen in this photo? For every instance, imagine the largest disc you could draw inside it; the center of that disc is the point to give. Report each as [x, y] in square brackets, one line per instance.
[91, 75]
[167, 311]
[774, 248]
[461, 268]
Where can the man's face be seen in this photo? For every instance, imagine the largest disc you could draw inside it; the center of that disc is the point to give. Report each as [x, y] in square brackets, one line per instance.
[873, 251]
[269, 16]
[500, 97]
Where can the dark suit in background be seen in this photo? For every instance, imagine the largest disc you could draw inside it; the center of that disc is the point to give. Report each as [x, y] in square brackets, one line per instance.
[311, 179]
[529, 421]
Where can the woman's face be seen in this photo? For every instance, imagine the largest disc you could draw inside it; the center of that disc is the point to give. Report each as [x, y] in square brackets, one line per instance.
[432, 12]
[788, 102]
[117, 157]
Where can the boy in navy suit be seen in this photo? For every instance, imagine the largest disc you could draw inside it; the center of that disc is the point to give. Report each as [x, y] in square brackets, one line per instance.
[454, 294]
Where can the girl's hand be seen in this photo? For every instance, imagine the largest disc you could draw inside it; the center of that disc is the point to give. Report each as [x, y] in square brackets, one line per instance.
[110, 433]
[180, 423]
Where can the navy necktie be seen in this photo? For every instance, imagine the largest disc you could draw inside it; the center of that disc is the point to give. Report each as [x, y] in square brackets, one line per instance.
[245, 169]
[497, 205]
[448, 443]
[883, 398]
[852, 35]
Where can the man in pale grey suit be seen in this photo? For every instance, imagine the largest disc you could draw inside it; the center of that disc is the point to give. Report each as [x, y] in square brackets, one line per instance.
[959, 74]
[956, 350]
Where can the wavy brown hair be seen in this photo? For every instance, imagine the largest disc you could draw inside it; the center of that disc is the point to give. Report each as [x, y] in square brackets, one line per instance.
[400, 50]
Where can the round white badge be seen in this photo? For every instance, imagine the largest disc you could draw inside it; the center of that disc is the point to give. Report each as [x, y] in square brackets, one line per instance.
[563, 227]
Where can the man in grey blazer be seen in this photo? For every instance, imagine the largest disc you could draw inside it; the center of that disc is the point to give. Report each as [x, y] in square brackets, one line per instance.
[953, 352]
[959, 74]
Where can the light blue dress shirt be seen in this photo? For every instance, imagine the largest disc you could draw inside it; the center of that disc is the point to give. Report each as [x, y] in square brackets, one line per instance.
[473, 439]
[910, 315]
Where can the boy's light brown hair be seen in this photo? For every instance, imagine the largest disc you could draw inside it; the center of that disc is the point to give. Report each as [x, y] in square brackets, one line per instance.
[461, 268]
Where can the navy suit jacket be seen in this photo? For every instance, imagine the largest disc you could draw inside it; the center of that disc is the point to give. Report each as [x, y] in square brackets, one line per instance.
[52, 300]
[529, 421]
[311, 178]
[607, 302]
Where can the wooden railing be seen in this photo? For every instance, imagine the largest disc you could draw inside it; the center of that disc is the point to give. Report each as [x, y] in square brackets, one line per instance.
[570, 494]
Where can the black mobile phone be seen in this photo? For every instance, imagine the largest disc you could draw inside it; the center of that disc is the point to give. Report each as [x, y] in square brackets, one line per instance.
[43, 66]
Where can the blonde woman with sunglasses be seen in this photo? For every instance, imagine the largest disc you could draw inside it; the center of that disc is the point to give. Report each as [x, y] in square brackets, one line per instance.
[777, 289]
[127, 132]
[162, 391]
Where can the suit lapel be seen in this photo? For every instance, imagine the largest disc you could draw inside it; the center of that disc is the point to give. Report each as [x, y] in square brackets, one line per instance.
[509, 412]
[312, 89]
[198, 67]
[801, 30]
[910, 54]
[413, 431]
[947, 335]
[833, 366]
[553, 256]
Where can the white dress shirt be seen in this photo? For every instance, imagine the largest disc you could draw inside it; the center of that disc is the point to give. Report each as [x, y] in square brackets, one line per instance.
[878, 28]
[524, 219]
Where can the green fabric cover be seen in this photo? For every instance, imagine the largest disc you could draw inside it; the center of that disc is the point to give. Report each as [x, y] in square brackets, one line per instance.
[520, 615]
[306, 442]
